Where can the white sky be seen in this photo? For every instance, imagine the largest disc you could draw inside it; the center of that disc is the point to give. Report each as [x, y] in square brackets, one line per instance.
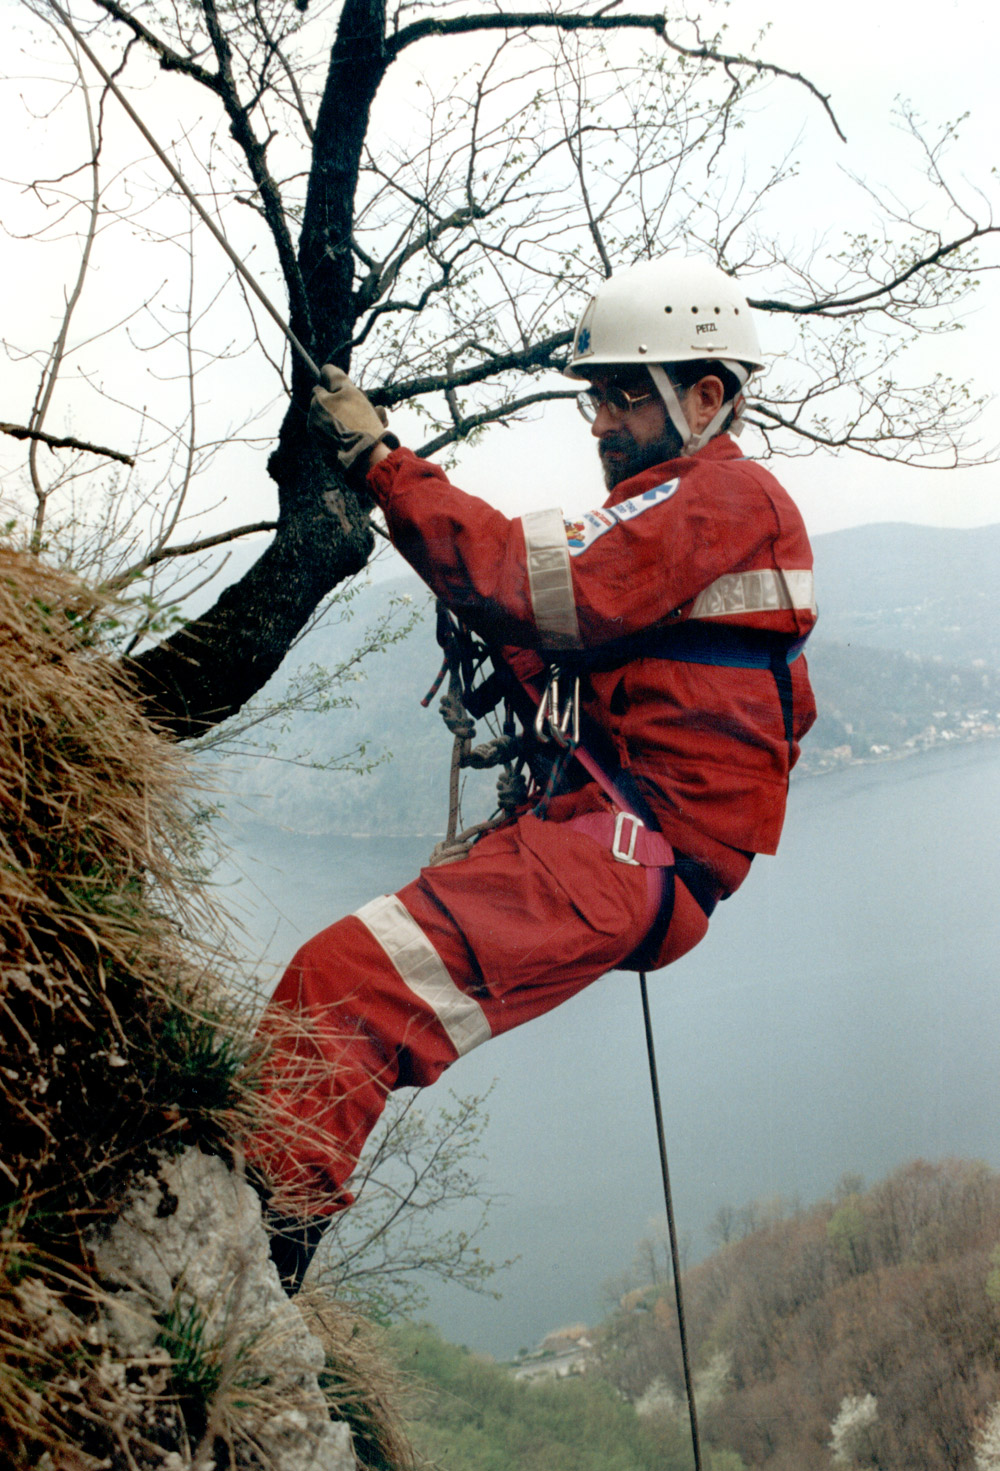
[942, 59]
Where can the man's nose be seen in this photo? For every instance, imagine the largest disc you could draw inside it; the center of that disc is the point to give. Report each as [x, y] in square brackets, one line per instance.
[604, 422]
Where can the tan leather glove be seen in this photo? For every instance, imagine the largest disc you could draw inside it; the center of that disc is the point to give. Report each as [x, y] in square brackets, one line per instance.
[340, 412]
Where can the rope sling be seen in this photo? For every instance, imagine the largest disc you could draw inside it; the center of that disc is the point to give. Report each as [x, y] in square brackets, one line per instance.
[464, 660]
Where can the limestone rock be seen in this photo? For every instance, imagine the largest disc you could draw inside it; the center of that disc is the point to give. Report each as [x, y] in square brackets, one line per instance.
[189, 1248]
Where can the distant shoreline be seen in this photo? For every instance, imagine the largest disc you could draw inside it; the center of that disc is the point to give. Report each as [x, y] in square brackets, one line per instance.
[894, 757]
[898, 753]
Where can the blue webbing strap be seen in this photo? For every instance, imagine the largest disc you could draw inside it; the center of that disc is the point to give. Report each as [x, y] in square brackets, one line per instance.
[694, 642]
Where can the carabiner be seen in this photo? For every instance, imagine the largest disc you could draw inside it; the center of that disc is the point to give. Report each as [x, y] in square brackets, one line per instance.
[555, 721]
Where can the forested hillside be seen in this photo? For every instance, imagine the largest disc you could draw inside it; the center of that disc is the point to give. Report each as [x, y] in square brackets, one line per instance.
[472, 1415]
[882, 703]
[927, 590]
[863, 1332]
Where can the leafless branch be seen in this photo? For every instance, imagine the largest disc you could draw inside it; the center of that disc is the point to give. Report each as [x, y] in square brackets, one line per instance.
[66, 441]
[255, 153]
[466, 424]
[50, 372]
[834, 305]
[202, 544]
[169, 59]
[542, 354]
[531, 20]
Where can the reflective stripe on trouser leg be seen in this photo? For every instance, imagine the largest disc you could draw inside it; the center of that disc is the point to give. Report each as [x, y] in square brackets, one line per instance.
[341, 1026]
[422, 969]
[536, 913]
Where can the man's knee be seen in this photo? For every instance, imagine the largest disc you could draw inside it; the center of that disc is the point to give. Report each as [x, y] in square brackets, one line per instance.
[351, 986]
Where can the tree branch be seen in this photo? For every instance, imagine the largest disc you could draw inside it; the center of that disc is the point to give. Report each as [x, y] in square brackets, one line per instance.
[834, 306]
[255, 154]
[326, 257]
[289, 72]
[876, 446]
[161, 554]
[168, 59]
[465, 424]
[54, 441]
[53, 366]
[536, 356]
[382, 277]
[601, 21]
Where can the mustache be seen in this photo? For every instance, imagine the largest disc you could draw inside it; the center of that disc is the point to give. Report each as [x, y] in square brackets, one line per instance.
[617, 442]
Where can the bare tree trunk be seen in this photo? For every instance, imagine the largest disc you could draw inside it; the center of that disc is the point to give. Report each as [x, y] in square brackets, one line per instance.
[208, 670]
[213, 665]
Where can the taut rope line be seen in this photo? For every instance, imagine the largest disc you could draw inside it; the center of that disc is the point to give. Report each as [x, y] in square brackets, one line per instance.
[671, 1224]
[189, 195]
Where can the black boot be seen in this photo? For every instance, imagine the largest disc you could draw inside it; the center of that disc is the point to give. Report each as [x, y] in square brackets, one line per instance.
[293, 1245]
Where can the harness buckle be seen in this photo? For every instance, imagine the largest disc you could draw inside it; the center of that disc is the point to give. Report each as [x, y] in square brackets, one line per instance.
[617, 852]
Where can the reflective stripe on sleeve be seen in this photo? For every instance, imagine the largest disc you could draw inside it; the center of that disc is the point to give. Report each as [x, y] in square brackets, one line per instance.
[550, 581]
[755, 592]
[424, 972]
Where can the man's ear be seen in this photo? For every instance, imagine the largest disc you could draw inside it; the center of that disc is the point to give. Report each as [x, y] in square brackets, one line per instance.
[704, 400]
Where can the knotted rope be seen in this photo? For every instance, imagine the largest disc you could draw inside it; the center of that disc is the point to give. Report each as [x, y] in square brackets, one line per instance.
[503, 750]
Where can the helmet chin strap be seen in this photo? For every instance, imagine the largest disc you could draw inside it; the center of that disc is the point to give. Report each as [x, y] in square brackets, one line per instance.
[691, 442]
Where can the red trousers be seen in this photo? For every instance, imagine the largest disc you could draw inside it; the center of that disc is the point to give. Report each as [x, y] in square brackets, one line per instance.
[393, 995]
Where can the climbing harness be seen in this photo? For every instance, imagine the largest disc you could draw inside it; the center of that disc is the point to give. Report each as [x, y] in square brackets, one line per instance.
[551, 718]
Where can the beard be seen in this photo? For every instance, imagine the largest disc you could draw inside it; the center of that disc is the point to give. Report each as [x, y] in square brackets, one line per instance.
[622, 457]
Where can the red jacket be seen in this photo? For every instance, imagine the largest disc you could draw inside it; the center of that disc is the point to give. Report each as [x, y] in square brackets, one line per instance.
[713, 539]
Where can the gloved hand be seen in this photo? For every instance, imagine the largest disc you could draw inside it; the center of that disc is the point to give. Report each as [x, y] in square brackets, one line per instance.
[341, 412]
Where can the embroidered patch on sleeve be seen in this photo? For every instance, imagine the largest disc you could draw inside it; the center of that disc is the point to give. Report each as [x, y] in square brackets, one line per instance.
[583, 532]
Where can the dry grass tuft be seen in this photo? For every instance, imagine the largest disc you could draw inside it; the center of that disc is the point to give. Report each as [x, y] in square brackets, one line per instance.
[362, 1385]
[102, 1004]
[118, 1042]
[116, 1038]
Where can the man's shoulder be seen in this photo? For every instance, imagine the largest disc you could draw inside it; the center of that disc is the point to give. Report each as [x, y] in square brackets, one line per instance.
[719, 467]
[722, 459]
[722, 456]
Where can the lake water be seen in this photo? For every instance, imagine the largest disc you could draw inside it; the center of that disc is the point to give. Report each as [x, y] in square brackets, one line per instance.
[840, 1017]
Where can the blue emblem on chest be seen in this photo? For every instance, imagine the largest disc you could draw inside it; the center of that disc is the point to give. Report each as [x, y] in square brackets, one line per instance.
[590, 527]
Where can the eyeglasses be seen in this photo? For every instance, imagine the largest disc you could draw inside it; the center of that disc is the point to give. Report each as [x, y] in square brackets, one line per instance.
[617, 401]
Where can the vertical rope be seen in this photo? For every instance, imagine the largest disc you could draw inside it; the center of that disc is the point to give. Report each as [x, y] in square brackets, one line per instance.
[671, 1224]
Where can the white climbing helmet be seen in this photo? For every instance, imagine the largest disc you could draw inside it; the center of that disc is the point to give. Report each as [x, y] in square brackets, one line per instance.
[678, 309]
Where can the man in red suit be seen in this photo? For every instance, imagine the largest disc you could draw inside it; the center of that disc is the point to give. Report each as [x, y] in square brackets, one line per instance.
[678, 610]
